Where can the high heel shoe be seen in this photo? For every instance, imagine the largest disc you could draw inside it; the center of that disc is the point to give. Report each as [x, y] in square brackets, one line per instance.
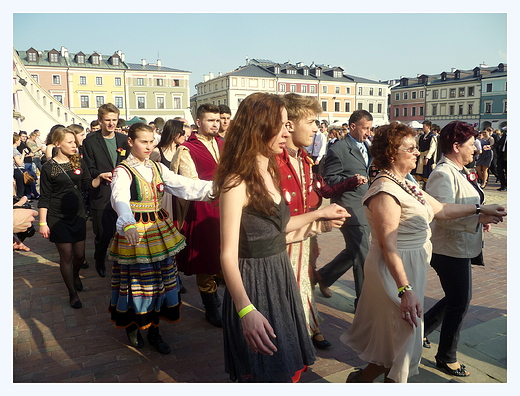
[460, 372]
[321, 344]
[355, 377]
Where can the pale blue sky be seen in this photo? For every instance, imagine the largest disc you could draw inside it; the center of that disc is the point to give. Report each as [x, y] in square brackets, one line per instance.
[374, 46]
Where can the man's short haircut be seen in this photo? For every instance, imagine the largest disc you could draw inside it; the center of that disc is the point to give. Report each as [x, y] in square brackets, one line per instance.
[22, 133]
[224, 109]
[159, 123]
[94, 123]
[428, 124]
[436, 127]
[107, 108]
[299, 106]
[358, 115]
[76, 128]
[206, 108]
[121, 123]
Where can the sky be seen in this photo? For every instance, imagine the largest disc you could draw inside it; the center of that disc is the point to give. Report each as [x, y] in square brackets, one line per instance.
[377, 46]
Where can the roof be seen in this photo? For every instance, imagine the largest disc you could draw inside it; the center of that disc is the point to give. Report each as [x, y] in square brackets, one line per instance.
[153, 67]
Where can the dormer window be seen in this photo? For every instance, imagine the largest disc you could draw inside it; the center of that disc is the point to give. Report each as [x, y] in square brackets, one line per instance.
[318, 72]
[404, 82]
[423, 79]
[53, 56]
[114, 60]
[291, 71]
[501, 67]
[32, 55]
[476, 72]
[95, 59]
[337, 73]
[277, 69]
[443, 76]
[305, 72]
[457, 74]
[80, 58]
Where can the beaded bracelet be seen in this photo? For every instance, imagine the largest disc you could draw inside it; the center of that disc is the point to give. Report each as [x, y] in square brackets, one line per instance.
[403, 290]
[244, 311]
[126, 228]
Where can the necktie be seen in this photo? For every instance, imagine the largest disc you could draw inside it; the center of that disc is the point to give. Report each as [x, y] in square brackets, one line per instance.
[363, 150]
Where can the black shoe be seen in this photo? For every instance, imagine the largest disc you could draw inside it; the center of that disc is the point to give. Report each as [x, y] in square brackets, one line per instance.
[323, 344]
[155, 339]
[85, 265]
[460, 372]
[134, 336]
[76, 304]
[210, 301]
[78, 285]
[502, 189]
[101, 269]
[426, 343]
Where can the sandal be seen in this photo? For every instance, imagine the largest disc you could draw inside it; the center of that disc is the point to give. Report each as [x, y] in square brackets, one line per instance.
[460, 372]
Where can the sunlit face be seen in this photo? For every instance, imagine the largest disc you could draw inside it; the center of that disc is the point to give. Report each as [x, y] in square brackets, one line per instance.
[407, 154]
[23, 137]
[108, 122]
[95, 128]
[466, 150]
[180, 138]
[225, 118]
[68, 145]
[142, 145]
[303, 131]
[361, 130]
[277, 143]
[209, 124]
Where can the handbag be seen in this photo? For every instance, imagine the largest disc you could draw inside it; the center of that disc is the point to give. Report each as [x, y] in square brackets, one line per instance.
[27, 178]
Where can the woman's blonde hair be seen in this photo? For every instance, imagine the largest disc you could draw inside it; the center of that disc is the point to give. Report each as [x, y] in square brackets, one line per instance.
[58, 136]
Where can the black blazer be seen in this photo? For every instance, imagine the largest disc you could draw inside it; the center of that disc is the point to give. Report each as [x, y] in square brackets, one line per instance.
[342, 161]
[95, 154]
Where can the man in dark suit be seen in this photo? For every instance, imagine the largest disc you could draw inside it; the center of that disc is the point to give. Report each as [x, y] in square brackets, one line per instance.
[103, 151]
[501, 151]
[346, 158]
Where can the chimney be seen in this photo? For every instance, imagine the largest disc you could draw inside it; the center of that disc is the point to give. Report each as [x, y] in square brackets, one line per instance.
[64, 52]
[219, 74]
[121, 54]
[453, 69]
[206, 77]
[143, 62]
[247, 60]
[159, 63]
[211, 75]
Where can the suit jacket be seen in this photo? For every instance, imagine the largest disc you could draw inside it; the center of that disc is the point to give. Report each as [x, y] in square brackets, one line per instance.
[95, 154]
[344, 160]
[461, 238]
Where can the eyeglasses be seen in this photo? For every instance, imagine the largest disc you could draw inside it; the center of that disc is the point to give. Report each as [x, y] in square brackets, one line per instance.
[410, 150]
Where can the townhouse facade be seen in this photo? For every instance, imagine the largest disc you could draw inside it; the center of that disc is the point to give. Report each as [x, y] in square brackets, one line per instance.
[455, 95]
[336, 91]
[83, 82]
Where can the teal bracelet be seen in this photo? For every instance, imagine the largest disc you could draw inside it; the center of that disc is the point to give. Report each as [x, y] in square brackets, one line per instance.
[244, 311]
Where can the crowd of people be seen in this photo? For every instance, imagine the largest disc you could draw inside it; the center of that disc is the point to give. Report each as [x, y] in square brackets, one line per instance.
[237, 202]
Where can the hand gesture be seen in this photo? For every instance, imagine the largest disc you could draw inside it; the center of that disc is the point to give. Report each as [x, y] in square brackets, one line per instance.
[132, 236]
[22, 219]
[333, 212]
[45, 231]
[489, 219]
[257, 331]
[495, 210]
[410, 308]
[106, 176]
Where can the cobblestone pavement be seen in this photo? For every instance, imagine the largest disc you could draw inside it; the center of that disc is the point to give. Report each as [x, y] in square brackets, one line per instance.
[55, 343]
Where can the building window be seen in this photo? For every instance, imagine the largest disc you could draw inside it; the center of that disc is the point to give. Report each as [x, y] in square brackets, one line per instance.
[370, 107]
[32, 57]
[360, 105]
[95, 60]
[336, 106]
[452, 110]
[293, 87]
[117, 81]
[80, 59]
[380, 91]
[304, 88]
[53, 57]
[35, 77]
[176, 102]
[312, 89]
[413, 111]
[324, 89]
[159, 82]
[337, 90]
[470, 109]
[56, 79]
[324, 105]
[347, 107]
[462, 92]
[471, 91]
[176, 83]
[487, 109]
[82, 80]
[405, 111]
[414, 95]
[100, 101]
[282, 87]
[118, 102]
[337, 73]
[397, 96]
[160, 102]
[452, 92]
[99, 80]
[489, 87]
[434, 110]
[421, 94]
[59, 98]
[140, 81]
[84, 102]
[505, 107]
[396, 112]
[461, 109]
[141, 104]
[379, 107]
[405, 95]
[371, 92]
[115, 61]
[360, 91]
[347, 90]
[435, 94]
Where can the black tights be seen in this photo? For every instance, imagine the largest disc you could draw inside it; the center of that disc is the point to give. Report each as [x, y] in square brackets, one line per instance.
[72, 256]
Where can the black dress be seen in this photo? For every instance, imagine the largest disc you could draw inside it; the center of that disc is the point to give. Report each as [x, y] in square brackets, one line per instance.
[271, 286]
[62, 197]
